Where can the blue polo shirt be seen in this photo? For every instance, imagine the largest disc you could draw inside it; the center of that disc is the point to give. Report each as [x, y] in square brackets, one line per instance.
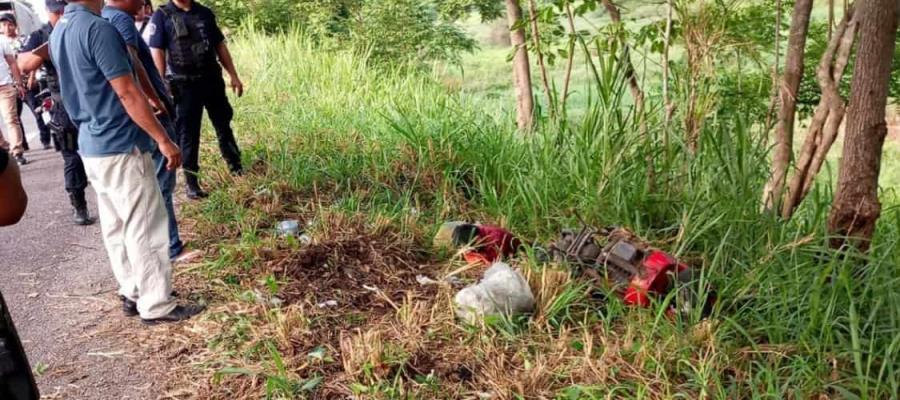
[88, 52]
[124, 23]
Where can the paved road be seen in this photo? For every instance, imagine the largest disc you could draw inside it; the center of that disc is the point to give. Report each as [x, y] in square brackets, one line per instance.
[58, 284]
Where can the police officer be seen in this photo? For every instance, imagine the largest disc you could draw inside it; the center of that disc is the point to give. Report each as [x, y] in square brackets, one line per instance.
[188, 48]
[61, 126]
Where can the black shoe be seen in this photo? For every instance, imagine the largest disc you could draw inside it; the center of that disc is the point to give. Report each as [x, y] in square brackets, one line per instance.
[196, 194]
[47, 146]
[129, 308]
[81, 215]
[236, 171]
[180, 313]
[193, 187]
[21, 159]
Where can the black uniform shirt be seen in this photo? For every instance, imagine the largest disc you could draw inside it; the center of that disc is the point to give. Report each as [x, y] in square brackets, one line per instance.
[37, 39]
[203, 27]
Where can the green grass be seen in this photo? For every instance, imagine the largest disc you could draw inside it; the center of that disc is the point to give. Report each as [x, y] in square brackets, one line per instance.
[794, 319]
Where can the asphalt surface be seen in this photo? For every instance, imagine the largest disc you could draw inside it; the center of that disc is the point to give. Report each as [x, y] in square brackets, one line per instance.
[59, 287]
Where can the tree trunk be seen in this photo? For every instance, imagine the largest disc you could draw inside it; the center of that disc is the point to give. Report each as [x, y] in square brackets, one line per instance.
[667, 103]
[570, 60]
[775, 76]
[630, 75]
[823, 129]
[856, 207]
[521, 67]
[790, 85]
[536, 38]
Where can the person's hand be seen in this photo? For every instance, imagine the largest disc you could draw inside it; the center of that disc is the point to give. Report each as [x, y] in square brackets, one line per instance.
[237, 86]
[159, 107]
[21, 90]
[172, 153]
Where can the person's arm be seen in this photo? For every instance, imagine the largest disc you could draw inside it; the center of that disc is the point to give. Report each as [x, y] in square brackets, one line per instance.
[16, 74]
[32, 80]
[159, 41]
[228, 64]
[139, 110]
[29, 62]
[159, 58]
[13, 199]
[144, 79]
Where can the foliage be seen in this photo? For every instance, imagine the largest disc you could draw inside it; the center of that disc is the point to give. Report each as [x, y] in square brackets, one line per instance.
[793, 321]
[369, 26]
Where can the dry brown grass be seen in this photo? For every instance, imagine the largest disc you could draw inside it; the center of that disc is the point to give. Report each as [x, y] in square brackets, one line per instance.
[388, 336]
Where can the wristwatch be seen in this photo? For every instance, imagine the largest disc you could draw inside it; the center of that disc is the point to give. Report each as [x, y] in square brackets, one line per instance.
[4, 160]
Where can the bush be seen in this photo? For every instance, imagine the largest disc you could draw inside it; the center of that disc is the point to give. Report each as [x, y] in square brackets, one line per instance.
[366, 26]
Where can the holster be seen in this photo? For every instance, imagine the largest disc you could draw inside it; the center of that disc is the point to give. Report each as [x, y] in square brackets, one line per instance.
[62, 128]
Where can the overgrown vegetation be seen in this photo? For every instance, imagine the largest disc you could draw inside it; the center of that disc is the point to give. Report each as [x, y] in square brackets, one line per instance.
[373, 160]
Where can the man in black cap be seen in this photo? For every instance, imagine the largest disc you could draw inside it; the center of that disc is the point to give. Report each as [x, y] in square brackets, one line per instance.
[62, 128]
[188, 48]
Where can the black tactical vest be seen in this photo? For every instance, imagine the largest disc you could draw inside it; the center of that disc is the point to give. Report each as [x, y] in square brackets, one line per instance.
[189, 51]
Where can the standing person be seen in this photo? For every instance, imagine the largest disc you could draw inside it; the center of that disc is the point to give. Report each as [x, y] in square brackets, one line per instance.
[116, 133]
[9, 95]
[61, 126]
[28, 96]
[188, 47]
[121, 14]
[142, 20]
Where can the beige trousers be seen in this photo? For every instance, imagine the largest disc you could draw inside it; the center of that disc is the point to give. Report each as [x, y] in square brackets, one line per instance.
[134, 222]
[8, 96]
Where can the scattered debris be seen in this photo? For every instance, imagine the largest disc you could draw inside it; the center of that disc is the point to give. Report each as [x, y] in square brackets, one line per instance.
[630, 266]
[289, 227]
[326, 304]
[270, 300]
[503, 291]
[424, 280]
[488, 243]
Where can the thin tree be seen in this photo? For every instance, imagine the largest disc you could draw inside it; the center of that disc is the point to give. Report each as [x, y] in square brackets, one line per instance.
[536, 38]
[630, 75]
[521, 67]
[856, 208]
[775, 72]
[790, 86]
[667, 102]
[824, 126]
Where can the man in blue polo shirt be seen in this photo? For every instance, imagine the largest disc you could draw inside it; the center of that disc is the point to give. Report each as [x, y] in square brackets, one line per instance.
[120, 13]
[117, 130]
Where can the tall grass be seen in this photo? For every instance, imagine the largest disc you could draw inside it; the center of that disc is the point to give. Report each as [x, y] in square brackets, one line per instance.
[794, 320]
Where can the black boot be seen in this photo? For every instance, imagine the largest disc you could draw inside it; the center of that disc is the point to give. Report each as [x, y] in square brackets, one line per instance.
[81, 215]
[193, 187]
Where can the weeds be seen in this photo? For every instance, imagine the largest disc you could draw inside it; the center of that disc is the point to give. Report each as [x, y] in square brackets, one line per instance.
[372, 161]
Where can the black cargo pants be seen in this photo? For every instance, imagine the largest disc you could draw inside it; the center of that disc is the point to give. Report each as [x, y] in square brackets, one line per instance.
[66, 135]
[191, 97]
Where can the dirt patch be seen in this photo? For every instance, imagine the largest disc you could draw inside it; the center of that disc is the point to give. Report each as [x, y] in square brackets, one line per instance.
[350, 271]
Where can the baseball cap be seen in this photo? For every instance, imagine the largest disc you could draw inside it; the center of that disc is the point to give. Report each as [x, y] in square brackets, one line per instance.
[55, 6]
[8, 17]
